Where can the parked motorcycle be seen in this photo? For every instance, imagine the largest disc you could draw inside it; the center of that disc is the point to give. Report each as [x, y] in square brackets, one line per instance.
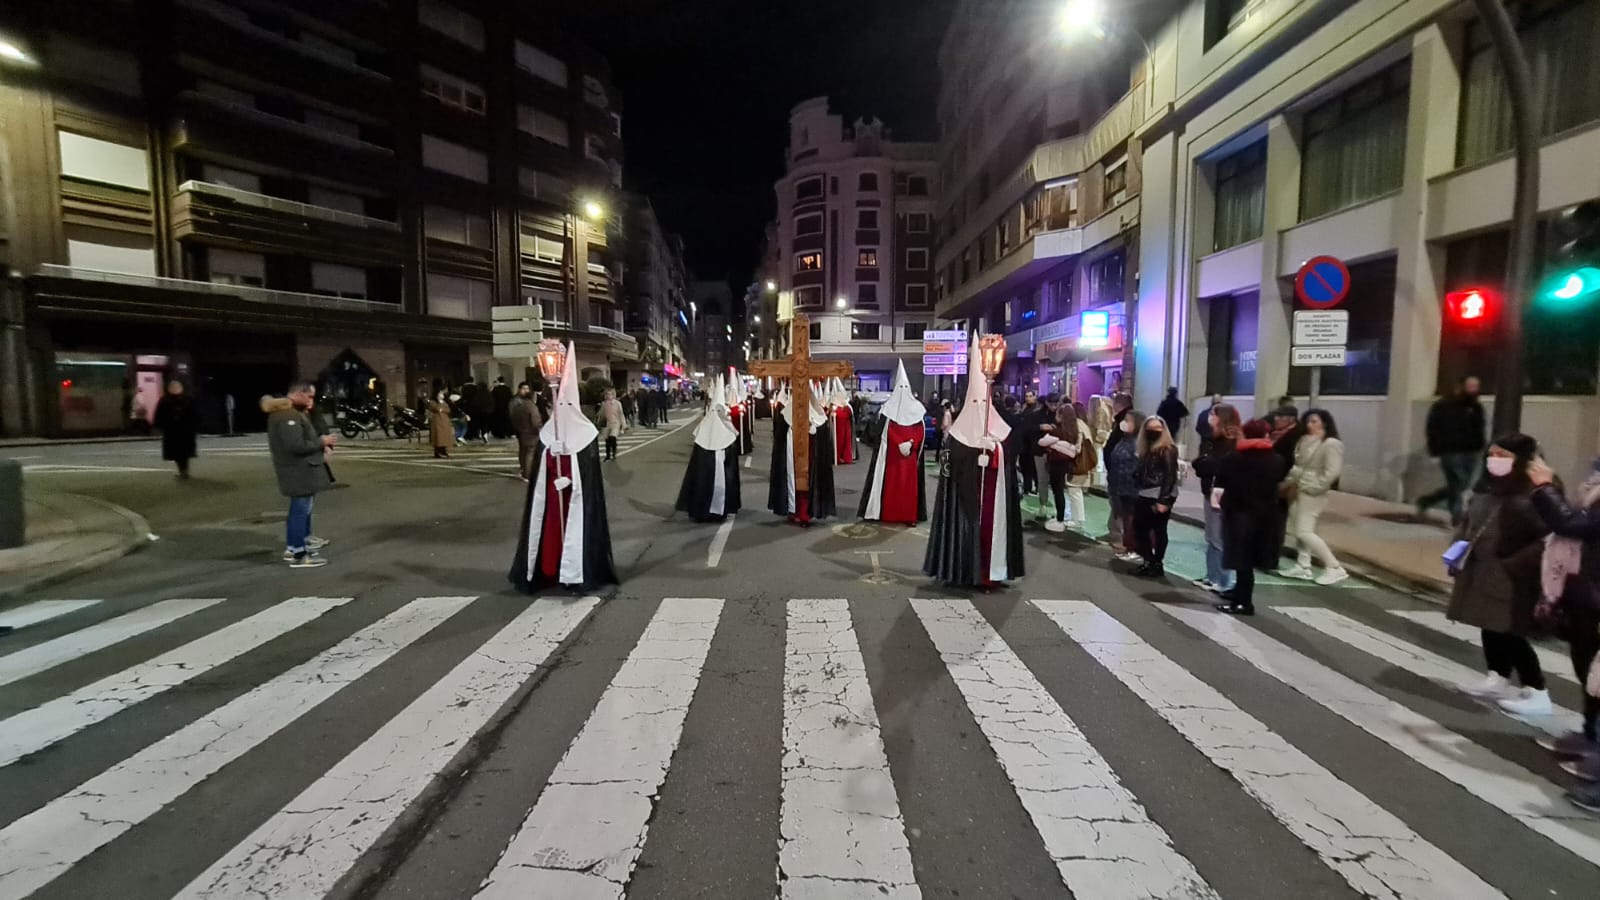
[403, 423]
[356, 419]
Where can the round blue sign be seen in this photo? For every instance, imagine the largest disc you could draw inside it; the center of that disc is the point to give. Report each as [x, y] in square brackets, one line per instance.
[1322, 282]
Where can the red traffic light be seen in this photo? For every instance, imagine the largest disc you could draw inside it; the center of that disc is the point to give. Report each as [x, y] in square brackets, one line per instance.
[1473, 306]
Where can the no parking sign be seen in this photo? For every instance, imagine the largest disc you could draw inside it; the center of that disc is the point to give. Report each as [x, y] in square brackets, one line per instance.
[1322, 282]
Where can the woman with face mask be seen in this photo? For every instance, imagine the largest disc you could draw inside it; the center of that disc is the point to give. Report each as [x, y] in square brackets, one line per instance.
[1570, 576]
[1157, 477]
[1122, 482]
[1318, 462]
[1498, 583]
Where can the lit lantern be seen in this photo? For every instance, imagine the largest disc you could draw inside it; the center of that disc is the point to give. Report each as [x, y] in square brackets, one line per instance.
[552, 358]
[992, 353]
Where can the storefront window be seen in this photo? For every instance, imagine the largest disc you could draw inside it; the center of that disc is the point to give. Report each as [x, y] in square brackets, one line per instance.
[1231, 344]
[96, 393]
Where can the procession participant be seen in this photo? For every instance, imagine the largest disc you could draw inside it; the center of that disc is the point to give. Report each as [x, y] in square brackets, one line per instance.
[896, 490]
[818, 502]
[842, 418]
[710, 491]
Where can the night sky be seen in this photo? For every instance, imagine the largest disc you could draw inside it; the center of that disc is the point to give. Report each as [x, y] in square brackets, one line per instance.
[707, 86]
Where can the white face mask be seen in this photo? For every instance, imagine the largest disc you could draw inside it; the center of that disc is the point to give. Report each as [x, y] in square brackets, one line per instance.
[1499, 466]
[1127, 428]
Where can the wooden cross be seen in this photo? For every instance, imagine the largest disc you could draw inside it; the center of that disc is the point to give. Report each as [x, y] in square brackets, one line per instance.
[799, 369]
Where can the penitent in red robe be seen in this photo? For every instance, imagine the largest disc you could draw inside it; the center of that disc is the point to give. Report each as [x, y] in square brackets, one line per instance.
[902, 475]
[557, 503]
[844, 435]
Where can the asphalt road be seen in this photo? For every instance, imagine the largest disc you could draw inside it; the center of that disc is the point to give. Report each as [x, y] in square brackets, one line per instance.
[758, 711]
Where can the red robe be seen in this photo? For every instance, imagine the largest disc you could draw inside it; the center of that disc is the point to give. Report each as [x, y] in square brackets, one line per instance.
[902, 475]
[844, 436]
[988, 495]
[557, 503]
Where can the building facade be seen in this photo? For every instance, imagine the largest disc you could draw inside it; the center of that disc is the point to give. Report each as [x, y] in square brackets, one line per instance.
[711, 317]
[239, 194]
[658, 301]
[854, 240]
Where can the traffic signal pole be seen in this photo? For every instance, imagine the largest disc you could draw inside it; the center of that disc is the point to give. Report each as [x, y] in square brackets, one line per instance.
[1524, 210]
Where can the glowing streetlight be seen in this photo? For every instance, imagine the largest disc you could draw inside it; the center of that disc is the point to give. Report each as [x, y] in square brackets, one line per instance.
[593, 209]
[12, 52]
[772, 285]
[1081, 17]
[756, 319]
[841, 303]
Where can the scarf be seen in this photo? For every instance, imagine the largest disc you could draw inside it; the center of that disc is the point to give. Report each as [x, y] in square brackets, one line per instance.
[1563, 556]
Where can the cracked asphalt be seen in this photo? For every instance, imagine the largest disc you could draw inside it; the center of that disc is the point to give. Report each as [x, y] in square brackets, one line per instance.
[813, 719]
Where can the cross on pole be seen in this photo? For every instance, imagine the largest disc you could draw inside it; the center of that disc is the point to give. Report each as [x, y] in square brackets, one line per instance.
[799, 369]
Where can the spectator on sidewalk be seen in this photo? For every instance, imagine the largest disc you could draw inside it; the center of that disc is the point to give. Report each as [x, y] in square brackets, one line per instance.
[1498, 584]
[1028, 424]
[1122, 482]
[1173, 411]
[442, 432]
[500, 417]
[1285, 436]
[525, 424]
[1570, 573]
[1246, 492]
[179, 422]
[611, 422]
[1203, 425]
[1223, 430]
[1158, 492]
[302, 470]
[1318, 463]
[1456, 434]
[1069, 458]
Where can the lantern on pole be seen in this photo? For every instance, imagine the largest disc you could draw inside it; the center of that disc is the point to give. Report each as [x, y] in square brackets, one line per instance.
[552, 359]
[992, 354]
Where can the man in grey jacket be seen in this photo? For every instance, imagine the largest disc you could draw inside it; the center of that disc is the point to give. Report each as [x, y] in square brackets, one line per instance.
[299, 459]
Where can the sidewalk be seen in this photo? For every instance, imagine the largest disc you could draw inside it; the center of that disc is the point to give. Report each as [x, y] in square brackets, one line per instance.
[67, 534]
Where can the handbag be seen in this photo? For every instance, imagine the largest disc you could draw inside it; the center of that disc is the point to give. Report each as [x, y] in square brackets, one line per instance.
[1456, 555]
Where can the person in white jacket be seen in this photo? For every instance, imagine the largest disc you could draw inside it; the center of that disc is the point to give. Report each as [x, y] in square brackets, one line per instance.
[1318, 463]
[1070, 459]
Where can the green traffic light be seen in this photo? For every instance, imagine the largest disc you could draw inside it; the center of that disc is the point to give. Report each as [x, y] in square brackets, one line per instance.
[1574, 285]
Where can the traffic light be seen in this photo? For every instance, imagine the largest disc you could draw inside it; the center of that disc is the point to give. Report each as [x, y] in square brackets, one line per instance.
[1575, 257]
[1472, 307]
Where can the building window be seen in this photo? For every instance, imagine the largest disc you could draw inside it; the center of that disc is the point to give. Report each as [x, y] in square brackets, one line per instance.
[540, 64]
[594, 147]
[917, 223]
[809, 189]
[95, 160]
[867, 182]
[451, 22]
[867, 295]
[907, 184]
[459, 298]
[1241, 191]
[226, 266]
[808, 262]
[335, 280]
[544, 186]
[1371, 306]
[1354, 146]
[594, 92]
[864, 331]
[444, 156]
[808, 298]
[1116, 183]
[544, 247]
[1231, 343]
[110, 251]
[913, 331]
[1055, 207]
[811, 224]
[867, 258]
[867, 219]
[1558, 39]
[1104, 279]
[244, 181]
[452, 91]
[815, 331]
[457, 227]
[546, 126]
[1223, 16]
[330, 199]
[917, 259]
[917, 295]
[330, 124]
[1002, 236]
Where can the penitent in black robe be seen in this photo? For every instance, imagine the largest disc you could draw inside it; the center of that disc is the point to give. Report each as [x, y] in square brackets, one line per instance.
[699, 496]
[956, 550]
[583, 559]
[779, 498]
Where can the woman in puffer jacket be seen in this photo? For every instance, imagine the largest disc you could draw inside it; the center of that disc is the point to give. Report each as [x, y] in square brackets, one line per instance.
[1318, 463]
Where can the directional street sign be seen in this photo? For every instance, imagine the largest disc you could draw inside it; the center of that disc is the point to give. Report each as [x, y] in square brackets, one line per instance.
[1317, 356]
[1321, 327]
[1322, 282]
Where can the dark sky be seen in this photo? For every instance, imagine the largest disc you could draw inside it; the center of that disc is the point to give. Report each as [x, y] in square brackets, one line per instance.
[707, 86]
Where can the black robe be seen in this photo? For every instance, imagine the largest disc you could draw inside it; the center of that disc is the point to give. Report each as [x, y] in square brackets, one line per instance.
[699, 484]
[872, 470]
[598, 568]
[822, 503]
[955, 554]
[747, 428]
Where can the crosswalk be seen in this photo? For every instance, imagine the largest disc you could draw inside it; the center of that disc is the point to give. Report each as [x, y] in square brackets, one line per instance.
[842, 830]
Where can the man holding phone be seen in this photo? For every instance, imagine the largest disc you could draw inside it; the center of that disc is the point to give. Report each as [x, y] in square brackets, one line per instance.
[298, 459]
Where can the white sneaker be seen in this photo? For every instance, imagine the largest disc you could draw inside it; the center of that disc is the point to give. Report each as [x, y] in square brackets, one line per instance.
[1130, 556]
[1303, 573]
[316, 543]
[1055, 527]
[1527, 702]
[1332, 576]
[1203, 584]
[308, 561]
[1493, 687]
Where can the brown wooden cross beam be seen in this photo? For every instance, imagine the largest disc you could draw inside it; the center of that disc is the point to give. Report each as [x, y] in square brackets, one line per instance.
[799, 369]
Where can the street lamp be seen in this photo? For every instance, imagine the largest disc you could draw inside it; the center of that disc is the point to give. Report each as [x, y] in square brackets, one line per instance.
[593, 209]
[1081, 17]
[13, 53]
[772, 286]
[756, 320]
[841, 302]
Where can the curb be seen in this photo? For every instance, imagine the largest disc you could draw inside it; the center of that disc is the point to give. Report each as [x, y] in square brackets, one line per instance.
[138, 536]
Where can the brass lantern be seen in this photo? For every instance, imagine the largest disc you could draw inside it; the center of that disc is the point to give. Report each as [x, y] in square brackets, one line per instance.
[552, 358]
[992, 353]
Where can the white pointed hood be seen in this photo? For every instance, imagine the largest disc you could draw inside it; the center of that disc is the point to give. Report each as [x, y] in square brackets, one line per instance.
[968, 427]
[838, 395]
[902, 407]
[819, 416]
[567, 419]
[716, 428]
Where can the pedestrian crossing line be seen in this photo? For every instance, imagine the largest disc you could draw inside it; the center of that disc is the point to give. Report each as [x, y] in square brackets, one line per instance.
[45, 843]
[586, 831]
[41, 611]
[49, 654]
[33, 730]
[1554, 663]
[719, 542]
[1423, 663]
[1103, 843]
[1529, 799]
[313, 841]
[841, 833]
[1368, 846]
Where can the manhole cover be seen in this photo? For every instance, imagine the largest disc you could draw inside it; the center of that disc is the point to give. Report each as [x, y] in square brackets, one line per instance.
[858, 531]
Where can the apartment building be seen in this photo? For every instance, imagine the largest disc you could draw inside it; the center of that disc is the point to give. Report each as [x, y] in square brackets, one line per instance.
[658, 300]
[239, 193]
[855, 240]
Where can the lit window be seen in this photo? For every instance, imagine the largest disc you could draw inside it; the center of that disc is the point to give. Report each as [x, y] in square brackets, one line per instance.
[808, 262]
[864, 331]
[867, 258]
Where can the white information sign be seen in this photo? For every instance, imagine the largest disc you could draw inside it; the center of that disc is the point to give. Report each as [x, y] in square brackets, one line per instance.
[1317, 356]
[1321, 327]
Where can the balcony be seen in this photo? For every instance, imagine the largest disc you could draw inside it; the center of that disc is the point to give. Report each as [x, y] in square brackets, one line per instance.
[290, 207]
[240, 292]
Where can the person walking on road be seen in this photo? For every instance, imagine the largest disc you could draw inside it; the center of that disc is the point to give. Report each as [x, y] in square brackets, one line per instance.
[1456, 433]
[441, 430]
[1498, 582]
[179, 422]
[629, 410]
[525, 423]
[612, 423]
[1173, 411]
[1318, 463]
[1246, 493]
[1222, 437]
[299, 462]
[500, 417]
[1570, 572]
[1158, 490]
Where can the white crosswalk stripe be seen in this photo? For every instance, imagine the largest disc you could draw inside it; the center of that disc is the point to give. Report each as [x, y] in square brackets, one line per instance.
[1554, 663]
[41, 611]
[845, 824]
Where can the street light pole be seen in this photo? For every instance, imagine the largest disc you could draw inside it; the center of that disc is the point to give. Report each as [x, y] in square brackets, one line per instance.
[1524, 210]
